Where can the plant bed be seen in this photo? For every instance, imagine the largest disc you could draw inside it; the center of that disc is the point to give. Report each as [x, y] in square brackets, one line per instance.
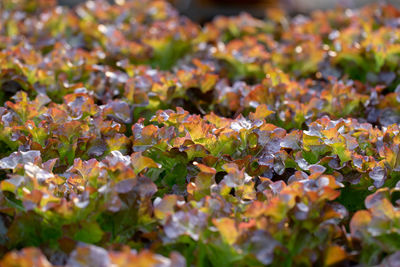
[132, 136]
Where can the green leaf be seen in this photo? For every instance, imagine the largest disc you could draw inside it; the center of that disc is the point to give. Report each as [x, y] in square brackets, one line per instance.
[177, 175]
[90, 232]
[353, 198]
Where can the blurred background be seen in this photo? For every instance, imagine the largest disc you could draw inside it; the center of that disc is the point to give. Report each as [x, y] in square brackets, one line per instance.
[200, 10]
[205, 10]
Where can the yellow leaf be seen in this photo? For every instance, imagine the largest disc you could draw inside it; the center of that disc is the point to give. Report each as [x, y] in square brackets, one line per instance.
[140, 162]
[360, 220]
[165, 207]
[261, 113]
[335, 254]
[227, 228]
[7, 186]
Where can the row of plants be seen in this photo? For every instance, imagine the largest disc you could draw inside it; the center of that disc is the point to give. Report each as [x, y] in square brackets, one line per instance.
[131, 135]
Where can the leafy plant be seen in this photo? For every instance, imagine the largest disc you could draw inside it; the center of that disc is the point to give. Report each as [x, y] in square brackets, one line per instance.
[129, 133]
